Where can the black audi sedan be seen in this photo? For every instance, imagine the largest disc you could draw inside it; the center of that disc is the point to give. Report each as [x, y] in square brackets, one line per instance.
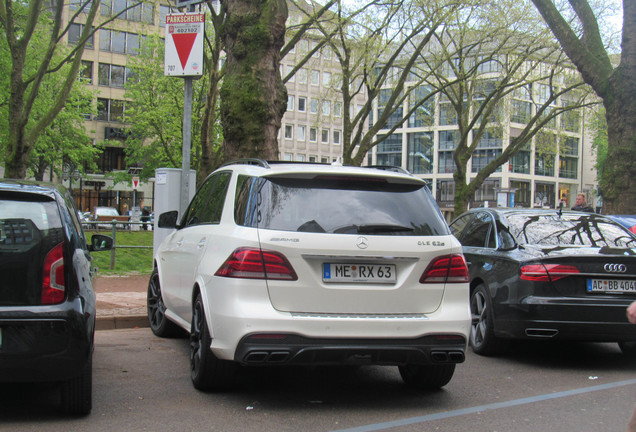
[47, 301]
[547, 274]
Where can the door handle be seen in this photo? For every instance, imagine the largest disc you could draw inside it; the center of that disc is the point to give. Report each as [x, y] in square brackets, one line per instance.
[201, 243]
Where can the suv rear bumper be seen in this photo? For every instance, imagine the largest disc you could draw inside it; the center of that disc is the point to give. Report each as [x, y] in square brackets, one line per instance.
[273, 349]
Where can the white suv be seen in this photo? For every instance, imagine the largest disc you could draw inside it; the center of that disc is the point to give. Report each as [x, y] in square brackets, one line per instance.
[288, 263]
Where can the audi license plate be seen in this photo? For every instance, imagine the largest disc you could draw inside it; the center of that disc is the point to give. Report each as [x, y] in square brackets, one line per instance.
[370, 273]
[611, 286]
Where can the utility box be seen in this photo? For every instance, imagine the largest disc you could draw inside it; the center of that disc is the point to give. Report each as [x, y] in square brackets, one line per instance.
[167, 198]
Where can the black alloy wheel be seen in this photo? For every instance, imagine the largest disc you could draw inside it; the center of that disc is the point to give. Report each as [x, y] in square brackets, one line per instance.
[159, 324]
[206, 370]
[482, 335]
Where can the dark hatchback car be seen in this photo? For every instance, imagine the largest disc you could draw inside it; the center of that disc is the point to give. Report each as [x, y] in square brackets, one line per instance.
[545, 274]
[47, 301]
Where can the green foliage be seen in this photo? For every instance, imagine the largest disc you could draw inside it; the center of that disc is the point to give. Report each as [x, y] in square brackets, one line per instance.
[155, 113]
[65, 139]
[127, 261]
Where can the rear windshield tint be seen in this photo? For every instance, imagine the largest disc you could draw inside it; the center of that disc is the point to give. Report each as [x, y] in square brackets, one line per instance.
[567, 230]
[28, 231]
[339, 205]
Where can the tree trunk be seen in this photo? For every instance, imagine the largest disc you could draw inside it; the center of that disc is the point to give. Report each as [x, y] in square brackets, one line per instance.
[618, 183]
[253, 97]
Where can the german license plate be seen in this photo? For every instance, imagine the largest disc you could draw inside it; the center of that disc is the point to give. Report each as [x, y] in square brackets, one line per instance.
[611, 286]
[370, 273]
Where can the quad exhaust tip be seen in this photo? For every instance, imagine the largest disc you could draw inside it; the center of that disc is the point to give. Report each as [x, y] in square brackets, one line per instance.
[541, 333]
[447, 356]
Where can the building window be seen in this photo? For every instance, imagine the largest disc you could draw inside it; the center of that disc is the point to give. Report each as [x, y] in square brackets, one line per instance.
[544, 164]
[302, 104]
[520, 163]
[446, 162]
[324, 138]
[326, 79]
[424, 115]
[326, 108]
[337, 109]
[292, 78]
[420, 152]
[86, 73]
[118, 42]
[313, 106]
[75, 33]
[300, 133]
[313, 134]
[300, 158]
[522, 193]
[396, 115]
[447, 114]
[315, 77]
[448, 139]
[487, 191]
[111, 75]
[544, 194]
[142, 12]
[290, 102]
[110, 110]
[389, 150]
[445, 191]
[302, 76]
[289, 131]
[568, 160]
[336, 137]
[520, 111]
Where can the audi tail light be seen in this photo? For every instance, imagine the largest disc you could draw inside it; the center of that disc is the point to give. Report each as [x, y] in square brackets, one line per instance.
[254, 263]
[53, 282]
[547, 272]
[446, 269]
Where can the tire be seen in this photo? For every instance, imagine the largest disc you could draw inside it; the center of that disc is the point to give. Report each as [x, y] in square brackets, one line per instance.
[482, 335]
[208, 373]
[628, 348]
[427, 377]
[159, 324]
[77, 393]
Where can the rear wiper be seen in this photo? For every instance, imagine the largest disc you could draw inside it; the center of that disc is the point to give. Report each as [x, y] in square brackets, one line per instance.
[372, 228]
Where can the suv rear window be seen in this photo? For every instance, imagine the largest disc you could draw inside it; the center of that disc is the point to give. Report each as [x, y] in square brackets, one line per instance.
[28, 231]
[340, 205]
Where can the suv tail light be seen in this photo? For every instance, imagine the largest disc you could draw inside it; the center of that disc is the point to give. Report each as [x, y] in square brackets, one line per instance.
[446, 269]
[53, 282]
[547, 272]
[252, 263]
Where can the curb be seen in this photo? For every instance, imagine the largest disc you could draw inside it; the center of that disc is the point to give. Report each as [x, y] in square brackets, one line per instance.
[121, 322]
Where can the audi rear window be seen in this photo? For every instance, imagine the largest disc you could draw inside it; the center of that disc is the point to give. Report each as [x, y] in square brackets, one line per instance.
[338, 205]
[568, 230]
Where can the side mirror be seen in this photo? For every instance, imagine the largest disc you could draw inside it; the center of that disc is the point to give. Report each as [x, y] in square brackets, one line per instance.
[100, 242]
[168, 219]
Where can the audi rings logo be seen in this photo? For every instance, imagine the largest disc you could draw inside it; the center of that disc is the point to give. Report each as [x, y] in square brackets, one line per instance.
[362, 243]
[615, 268]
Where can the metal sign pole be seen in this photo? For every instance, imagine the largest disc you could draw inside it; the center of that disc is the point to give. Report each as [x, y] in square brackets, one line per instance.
[187, 140]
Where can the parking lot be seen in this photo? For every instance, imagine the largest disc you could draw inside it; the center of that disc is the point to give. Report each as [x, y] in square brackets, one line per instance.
[142, 382]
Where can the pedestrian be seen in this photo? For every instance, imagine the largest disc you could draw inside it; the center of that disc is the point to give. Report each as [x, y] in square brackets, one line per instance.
[145, 217]
[631, 316]
[581, 204]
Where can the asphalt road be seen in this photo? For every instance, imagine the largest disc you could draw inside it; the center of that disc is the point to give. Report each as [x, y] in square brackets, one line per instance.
[141, 383]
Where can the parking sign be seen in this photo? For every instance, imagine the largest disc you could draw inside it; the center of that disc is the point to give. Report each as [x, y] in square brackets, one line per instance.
[184, 44]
